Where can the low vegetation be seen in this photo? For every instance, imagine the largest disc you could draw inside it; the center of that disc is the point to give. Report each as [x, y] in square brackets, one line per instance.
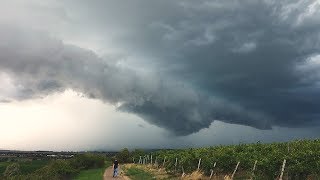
[56, 169]
[20, 167]
[26, 166]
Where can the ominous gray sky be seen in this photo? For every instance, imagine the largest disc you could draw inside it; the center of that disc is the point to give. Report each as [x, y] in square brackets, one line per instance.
[105, 74]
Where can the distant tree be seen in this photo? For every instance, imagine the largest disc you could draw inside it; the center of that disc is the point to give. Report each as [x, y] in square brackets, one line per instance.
[12, 170]
[123, 156]
[87, 161]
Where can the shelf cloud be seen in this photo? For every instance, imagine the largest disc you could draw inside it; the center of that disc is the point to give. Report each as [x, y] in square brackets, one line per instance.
[179, 65]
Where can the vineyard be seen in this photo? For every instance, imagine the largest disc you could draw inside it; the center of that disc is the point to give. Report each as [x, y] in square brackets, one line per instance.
[297, 160]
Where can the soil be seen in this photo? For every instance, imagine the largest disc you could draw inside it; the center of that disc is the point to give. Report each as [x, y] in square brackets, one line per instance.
[109, 172]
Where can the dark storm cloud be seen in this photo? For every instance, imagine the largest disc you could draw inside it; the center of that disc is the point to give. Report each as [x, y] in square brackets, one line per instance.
[247, 53]
[242, 62]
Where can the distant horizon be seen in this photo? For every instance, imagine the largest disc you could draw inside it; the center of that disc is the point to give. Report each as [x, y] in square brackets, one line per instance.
[152, 149]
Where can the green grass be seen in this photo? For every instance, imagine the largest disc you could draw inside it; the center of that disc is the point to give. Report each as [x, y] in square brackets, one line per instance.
[138, 174]
[93, 174]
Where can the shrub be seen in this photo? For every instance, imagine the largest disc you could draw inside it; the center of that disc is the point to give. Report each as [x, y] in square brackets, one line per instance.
[59, 169]
[12, 170]
[123, 156]
[87, 161]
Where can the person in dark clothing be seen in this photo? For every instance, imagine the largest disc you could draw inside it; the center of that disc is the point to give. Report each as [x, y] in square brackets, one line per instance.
[115, 168]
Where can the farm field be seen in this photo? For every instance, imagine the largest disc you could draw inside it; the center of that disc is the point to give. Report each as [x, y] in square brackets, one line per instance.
[257, 161]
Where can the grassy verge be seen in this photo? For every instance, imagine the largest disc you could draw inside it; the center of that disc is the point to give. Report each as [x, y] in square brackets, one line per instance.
[135, 173]
[93, 174]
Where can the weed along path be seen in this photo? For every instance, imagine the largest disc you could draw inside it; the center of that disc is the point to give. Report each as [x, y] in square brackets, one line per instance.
[109, 172]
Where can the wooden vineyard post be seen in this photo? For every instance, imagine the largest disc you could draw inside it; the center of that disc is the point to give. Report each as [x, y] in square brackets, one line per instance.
[282, 169]
[151, 159]
[235, 170]
[288, 154]
[156, 162]
[175, 165]
[147, 159]
[253, 169]
[164, 161]
[199, 164]
[211, 173]
[214, 165]
[183, 174]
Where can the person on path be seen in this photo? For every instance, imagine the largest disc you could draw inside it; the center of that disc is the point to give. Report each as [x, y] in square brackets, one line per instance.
[115, 168]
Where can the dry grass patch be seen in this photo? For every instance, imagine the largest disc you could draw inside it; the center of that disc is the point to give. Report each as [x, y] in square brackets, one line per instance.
[157, 173]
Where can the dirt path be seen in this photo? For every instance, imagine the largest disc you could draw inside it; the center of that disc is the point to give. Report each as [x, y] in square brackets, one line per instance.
[109, 172]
